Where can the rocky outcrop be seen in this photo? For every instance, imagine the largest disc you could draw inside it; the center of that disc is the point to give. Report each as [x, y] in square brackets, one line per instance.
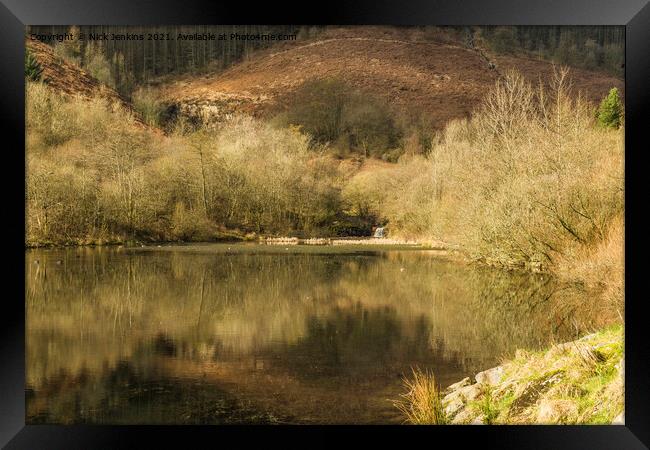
[212, 108]
[574, 382]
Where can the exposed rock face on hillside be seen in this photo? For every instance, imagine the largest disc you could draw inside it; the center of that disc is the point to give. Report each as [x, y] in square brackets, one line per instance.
[443, 80]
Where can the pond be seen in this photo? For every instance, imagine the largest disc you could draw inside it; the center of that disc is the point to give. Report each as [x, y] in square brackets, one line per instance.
[247, 333]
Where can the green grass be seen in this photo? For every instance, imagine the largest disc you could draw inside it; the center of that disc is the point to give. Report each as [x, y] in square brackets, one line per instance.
[489, 409]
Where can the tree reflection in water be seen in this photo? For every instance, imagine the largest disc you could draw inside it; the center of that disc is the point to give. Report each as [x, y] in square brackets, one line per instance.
[251, 334]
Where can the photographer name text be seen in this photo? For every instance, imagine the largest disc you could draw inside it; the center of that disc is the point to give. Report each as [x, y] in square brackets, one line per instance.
[61, 37]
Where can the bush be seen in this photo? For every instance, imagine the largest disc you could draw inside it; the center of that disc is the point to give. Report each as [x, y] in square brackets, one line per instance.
[191, 225]
[150, 108]
[46, 116]
[610, 112]
[97, 65]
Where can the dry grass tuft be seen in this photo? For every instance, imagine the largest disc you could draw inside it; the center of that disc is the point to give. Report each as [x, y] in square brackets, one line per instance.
[422, 403]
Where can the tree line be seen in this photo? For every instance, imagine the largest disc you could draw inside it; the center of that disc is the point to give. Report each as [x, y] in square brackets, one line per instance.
[589, 47]
[132, 62]
[127, 64]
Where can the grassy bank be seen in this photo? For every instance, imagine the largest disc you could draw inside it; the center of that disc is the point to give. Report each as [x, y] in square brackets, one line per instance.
[579, 382]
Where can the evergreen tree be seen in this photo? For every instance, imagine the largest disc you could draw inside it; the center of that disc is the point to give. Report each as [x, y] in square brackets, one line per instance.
[610, 112]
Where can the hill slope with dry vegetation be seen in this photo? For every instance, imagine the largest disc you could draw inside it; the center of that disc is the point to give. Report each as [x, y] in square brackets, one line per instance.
[68, 79]
[406, 68]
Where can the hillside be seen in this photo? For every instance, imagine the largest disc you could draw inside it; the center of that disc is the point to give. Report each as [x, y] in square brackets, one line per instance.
[442, 79]
[69, 79]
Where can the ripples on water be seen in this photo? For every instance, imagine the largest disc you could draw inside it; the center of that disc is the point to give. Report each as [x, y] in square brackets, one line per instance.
[233, 333]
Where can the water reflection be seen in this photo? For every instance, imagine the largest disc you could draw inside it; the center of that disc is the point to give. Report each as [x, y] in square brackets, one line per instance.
[250, 334]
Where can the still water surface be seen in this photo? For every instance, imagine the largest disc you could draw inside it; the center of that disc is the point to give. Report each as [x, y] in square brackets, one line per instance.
[235, 333]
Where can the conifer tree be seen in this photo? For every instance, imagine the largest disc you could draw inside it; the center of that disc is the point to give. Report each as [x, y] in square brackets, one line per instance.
[610, 112]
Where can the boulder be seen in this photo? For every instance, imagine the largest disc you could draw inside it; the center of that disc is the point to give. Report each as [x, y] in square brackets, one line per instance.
[472, 392]
[491, 376]
[462, 383]
[468, 393]
[454, 406]
[463, 417]
[456, 400]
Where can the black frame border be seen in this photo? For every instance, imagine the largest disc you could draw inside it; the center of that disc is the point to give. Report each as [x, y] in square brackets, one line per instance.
[15, 14]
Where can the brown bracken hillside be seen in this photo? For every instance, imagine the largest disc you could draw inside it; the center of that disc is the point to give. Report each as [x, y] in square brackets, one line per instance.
[70, 79]
[445, 80]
